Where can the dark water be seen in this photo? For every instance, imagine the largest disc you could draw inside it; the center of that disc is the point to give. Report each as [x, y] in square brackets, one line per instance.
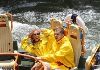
[28, 16]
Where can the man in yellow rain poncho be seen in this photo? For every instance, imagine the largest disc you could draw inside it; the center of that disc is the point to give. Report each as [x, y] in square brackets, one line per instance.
[61, 56]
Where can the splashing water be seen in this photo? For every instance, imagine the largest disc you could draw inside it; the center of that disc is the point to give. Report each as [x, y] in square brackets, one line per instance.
[89, 16]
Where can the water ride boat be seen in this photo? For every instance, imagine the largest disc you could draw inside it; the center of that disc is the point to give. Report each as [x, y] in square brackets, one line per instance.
[12, 59]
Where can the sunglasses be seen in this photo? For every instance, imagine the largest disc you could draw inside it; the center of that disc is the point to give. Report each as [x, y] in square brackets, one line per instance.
[36, 34]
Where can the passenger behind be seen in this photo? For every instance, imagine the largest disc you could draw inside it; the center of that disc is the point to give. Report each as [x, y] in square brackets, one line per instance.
[75, 20]
[61, 57]
[76, 30]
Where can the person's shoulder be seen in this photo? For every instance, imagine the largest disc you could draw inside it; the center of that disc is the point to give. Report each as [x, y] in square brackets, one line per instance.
[26, 38]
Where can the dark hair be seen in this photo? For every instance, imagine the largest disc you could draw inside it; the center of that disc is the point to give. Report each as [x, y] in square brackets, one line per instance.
[73, 17]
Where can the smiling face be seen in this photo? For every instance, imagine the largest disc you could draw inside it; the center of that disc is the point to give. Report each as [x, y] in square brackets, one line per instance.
[35, 36]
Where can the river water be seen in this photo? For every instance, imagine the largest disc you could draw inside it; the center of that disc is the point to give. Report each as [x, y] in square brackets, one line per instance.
[25, 21]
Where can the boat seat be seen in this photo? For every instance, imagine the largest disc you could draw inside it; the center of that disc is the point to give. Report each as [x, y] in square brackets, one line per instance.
[74, 37]
[6, 42]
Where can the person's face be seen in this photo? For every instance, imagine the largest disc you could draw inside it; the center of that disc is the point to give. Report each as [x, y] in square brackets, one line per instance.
[36, 36]
[58, 35]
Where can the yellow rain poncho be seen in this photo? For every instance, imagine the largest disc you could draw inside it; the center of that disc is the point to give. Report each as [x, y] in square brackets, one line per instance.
[61, 52]
[37, 48]
[49, 35]
[42, 47]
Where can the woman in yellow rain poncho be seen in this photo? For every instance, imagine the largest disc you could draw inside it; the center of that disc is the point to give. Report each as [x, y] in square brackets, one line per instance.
[35, 43]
